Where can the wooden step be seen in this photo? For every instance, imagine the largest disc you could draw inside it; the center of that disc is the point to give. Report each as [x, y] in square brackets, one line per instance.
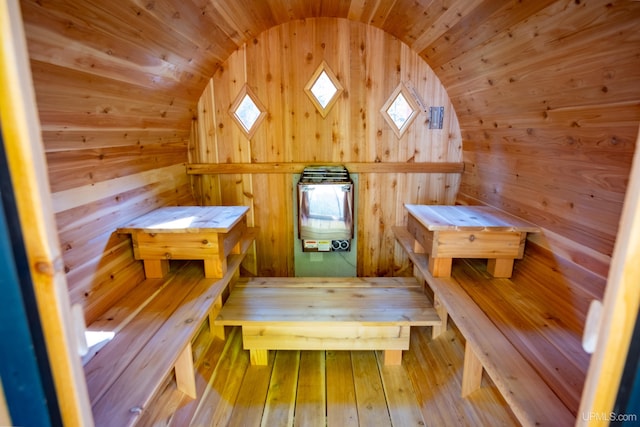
[327, 314]
[328, 301]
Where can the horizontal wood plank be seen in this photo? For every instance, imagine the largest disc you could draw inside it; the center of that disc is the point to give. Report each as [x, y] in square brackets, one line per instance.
[333, 282]
[187, 219]
[297, 167]
[472, 218]
[327, 306]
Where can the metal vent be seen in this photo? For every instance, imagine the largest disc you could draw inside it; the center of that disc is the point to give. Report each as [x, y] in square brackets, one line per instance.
[325, 174]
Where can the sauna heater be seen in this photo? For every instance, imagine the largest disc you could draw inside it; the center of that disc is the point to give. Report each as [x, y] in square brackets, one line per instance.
[325, 209]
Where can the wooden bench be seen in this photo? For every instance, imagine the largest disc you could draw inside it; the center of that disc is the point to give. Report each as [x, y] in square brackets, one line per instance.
[207, 233]
[447, 232]
[327, 314]
[530, 398]
[153, 330]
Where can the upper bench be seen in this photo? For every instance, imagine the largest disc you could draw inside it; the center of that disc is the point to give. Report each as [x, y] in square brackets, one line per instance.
[447, 232]
[208, 233]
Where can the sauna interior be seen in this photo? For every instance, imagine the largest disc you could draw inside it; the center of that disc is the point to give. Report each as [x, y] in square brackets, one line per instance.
[114, 110]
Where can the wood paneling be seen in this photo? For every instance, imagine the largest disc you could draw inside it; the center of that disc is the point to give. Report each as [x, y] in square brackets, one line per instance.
[290, 167]
[545, 93]
[369, 65]
[116, 117]
[547, 98]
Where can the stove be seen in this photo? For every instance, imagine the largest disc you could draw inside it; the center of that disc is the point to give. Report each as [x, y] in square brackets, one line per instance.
[325, 209]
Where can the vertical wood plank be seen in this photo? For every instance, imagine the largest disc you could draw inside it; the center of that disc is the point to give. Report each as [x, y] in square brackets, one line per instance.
[26, 162]
[258, 357]
[311, 396]
[392, 357]
[184, 370]
[500, 267]
[371, 401]
[250, 404]
[155, 268]
[369, 64]
[341, 398]
[401, 399]
[216, 330]
[444, 316]
[472, 371]
[281, 397]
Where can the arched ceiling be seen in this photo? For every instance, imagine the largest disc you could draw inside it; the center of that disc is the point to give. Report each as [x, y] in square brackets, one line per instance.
[172, 47]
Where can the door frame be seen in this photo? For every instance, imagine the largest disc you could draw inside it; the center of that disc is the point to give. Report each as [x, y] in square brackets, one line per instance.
[27, 167]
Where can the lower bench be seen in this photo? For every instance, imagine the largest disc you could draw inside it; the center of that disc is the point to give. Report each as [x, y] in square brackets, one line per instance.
[153, 328]
[327, 314]
[530, 398]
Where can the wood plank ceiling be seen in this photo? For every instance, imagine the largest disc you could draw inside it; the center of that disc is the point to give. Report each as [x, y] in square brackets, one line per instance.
[546, 93]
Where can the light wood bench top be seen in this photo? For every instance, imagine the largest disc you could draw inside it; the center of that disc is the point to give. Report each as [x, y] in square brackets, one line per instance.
[355, 301]
[187, 219]
[468, 218]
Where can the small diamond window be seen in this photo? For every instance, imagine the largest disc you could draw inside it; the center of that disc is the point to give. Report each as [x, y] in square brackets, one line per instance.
[323, 89]
[247, 111]
[400, 110]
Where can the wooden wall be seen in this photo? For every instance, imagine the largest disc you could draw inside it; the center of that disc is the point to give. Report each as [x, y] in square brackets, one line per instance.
[369, 64]
[546, 93]
[112, 146]
[549, 107]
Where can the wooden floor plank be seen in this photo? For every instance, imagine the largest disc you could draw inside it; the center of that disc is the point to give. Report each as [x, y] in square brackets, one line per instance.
[311, 398]
[401, 398]
[280, 404]
[370, 398]
[341, 395]
[218, 396]
[250, 405]
[204, 371]
[428, 382]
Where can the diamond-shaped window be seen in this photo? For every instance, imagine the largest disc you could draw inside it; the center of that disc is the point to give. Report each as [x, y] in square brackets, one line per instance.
[323, 89]
[400, 110]
[247, 111]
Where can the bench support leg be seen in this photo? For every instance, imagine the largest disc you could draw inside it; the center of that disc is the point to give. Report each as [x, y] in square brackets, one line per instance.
[185, 373]
[259, 357]
[437, 330]
[440, 267]
[156, 268]
[215, 267]
[471, 372]
[392, 357]
[216, 330]
[500, 267]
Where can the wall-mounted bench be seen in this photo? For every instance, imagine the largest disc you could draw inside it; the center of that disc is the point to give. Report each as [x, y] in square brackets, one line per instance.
[528, 395]
[327, 314]
[154, 326]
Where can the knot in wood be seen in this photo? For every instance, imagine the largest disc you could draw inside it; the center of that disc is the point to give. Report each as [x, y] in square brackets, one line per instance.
[472, 238]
